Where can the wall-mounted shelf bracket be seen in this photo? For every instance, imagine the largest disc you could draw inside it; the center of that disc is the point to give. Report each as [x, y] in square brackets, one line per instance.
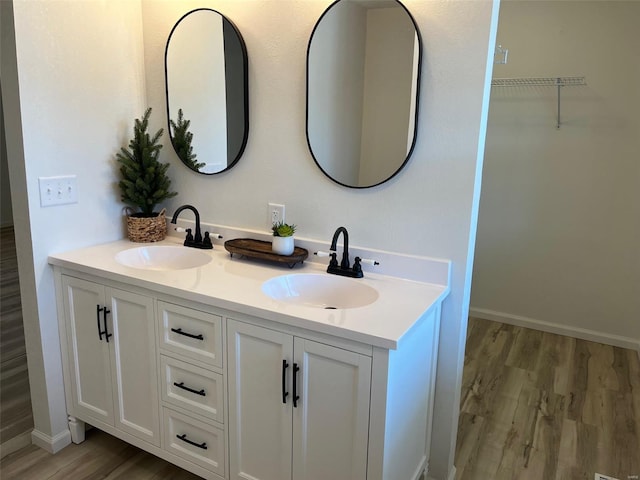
[557, 82]
[500, 55]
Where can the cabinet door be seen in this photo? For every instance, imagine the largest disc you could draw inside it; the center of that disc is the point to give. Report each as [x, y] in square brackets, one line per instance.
[331, 421]
[133, 364]
[88, 354]
[259, 420]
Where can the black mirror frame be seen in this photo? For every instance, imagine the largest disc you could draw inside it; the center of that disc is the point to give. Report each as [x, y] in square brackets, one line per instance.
[245, 67]
[413, 142]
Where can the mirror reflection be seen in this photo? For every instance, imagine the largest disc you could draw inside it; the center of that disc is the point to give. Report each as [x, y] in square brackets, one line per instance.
[363, 65]
[207, 93]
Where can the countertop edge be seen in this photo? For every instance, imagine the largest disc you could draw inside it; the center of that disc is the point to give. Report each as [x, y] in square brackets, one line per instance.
[70, 266]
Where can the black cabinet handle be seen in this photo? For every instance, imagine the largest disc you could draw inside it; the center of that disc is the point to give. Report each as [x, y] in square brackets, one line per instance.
[296, 369]
[184, 438]
[285, 365]
[105, 312]
[98, 310]
[190, 335]
[197, 392]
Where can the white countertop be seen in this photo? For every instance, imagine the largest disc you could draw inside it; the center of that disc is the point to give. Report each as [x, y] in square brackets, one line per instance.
[235, 284]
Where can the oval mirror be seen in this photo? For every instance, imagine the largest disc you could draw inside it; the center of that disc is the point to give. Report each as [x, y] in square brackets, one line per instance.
[363, 67]
[207, 91]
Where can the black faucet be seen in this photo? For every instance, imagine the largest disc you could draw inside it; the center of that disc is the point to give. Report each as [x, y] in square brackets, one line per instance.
[343, 269]
[196, 240]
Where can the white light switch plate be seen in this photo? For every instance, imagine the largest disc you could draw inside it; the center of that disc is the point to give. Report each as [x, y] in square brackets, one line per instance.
[58, 190]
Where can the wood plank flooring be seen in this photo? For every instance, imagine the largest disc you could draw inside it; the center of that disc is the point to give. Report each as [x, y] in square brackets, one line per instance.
[540, 406]
[100, 456]
[16, 419]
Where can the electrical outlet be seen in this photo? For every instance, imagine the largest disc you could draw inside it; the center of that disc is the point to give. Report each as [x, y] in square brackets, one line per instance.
[276, 214]
[59, 190]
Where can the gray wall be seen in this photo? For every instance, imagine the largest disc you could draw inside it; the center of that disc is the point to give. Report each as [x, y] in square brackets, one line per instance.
[559, 226]
[6, 216]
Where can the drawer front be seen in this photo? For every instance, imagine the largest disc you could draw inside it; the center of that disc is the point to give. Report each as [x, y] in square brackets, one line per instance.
[191, 333]
[192, 388]
[194, 441]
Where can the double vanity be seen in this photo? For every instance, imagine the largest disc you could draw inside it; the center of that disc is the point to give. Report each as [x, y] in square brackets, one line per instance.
[235, 369]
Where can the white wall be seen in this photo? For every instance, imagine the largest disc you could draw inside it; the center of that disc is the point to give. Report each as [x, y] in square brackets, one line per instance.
[559, 227]
[6, 217]
[78, 85]
[427, 209]
[81, 84]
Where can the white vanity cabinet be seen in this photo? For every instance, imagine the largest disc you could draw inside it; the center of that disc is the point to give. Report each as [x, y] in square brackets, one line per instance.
[201, 368]
[298, 409]
[111, 356]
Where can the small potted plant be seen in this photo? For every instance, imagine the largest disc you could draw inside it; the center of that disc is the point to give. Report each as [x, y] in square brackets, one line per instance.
[144, 183]
[283, 238]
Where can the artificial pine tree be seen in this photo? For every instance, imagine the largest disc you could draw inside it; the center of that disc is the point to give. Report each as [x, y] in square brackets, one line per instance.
[144, 181]
[181, 140]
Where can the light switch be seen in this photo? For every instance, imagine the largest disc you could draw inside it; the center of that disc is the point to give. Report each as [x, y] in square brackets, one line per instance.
[58, 190]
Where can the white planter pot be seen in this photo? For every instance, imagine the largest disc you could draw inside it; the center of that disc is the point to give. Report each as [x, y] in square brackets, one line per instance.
[282, 245]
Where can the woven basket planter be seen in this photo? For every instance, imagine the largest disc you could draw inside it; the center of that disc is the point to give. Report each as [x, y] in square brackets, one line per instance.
[146, 229]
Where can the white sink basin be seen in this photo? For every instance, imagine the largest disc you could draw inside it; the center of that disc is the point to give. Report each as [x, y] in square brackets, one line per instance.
[163, 257]
[320, 291]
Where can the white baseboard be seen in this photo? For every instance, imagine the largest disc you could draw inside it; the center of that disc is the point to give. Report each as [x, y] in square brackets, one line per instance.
[576, 332]
[51, 444]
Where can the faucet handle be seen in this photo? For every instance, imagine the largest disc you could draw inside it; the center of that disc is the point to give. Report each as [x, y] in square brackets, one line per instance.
[357, 268]
[206, 241]
[368, 261]
[188, 241]
[357, 265]
[333, 263]
[330, 253]
[320, 253]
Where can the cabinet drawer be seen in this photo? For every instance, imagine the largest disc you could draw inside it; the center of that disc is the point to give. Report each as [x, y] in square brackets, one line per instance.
[191, 333]
[195, 441]
[193, 388]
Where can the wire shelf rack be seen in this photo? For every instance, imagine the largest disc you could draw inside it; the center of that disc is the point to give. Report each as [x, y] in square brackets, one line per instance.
[557, 82]
[541, 81]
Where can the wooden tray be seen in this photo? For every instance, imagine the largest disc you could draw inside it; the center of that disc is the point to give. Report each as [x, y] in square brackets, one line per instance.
[248, 247]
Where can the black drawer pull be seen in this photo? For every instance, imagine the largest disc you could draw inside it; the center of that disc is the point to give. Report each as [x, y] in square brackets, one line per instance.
[296, 397]
[197, 392]
[98, 310]
[285, 365]
[190, 335]
[184, 438]
[106, 312]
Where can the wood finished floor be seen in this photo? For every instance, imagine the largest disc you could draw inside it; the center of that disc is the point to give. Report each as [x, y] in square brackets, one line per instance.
[538, 406]
[99, 457]
[15, 400]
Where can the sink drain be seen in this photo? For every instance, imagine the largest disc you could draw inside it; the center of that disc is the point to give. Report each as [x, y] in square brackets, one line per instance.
[330, 308]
